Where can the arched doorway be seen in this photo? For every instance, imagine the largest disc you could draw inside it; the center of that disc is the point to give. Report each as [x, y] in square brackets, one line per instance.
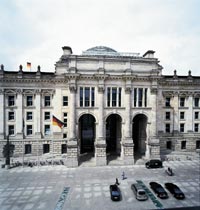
[139, 135]
[113, 135]
[87, 133]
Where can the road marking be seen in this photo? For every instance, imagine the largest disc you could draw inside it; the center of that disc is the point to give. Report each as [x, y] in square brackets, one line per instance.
[151, 195]
[60, 203]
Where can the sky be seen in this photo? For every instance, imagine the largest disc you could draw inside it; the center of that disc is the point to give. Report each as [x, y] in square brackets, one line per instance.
[36, 30]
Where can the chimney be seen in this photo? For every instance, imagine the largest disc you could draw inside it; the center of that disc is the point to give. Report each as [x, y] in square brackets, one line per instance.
[67, 50]
[149, 54]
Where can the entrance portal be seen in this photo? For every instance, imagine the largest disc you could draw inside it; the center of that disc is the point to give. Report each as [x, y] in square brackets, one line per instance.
[87, 133]
[139, 135]
[113, 134]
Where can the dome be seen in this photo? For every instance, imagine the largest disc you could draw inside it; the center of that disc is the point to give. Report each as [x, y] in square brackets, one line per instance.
[101, 49]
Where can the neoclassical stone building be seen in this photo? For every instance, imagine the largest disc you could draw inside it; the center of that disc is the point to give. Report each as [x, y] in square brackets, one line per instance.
[114, 106]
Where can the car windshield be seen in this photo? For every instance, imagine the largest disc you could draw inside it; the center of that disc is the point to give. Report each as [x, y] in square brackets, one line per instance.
[176, 190]
[160, 190]
[115, 193]
[141, 193]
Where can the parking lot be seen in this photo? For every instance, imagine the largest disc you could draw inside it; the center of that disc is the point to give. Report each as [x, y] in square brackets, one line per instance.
[59, 187]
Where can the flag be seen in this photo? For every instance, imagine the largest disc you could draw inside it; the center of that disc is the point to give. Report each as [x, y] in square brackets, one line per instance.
[57, 122]
[28, 66]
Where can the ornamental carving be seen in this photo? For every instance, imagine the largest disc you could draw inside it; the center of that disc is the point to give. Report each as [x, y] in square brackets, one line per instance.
[128, 90]
[101, 89]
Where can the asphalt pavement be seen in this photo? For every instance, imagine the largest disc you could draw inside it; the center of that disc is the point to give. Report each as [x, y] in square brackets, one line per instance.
[87, 188]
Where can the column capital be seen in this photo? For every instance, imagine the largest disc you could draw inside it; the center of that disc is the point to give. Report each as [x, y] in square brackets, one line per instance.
[101, 89]
[128, 90]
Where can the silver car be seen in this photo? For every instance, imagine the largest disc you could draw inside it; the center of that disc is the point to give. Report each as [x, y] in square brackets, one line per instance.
[139, 192]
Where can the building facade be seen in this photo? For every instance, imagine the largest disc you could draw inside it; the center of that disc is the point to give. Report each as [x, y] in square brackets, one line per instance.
[113, 105]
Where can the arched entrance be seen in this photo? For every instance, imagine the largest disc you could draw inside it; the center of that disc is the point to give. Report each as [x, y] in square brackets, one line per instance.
[113, 135]
[139, 135]
[87, 133]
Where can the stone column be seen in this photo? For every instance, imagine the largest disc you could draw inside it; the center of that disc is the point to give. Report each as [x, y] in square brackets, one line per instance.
[175, 114]
[190, 115]
[38, 114]
[128, 146]
[100, 145]
[19, 115]
[2, 121]
[153, 141]
[72, 146]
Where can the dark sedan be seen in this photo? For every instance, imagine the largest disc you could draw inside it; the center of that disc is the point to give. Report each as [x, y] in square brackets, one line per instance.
[175, 191]
[154, 163]
[115, 192]
[159, 190]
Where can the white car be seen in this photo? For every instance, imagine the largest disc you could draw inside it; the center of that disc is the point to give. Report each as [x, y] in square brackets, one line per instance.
[139, 192]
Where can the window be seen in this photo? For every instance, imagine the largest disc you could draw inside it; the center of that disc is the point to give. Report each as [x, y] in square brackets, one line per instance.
[182, 127]
[140, 97]
[11, 100]
[196, 102]
[113, 97]
[47, 101]
[196, 115]
[29, 116]
[167, 101]
[65, 119]
[29, 100]
[28, 149]
[47, 116]
[87, 96]
[65, 100]
[182, 102]
[196, 127]
[47, 130]
[198, 144]
[64, 135]
[167, 128]
[11, 130]
[183, 144]
[11, 115]
[182, 115]
[167, 115]
[29, 130]
[169, 145]
[46, 148]
[63, 149]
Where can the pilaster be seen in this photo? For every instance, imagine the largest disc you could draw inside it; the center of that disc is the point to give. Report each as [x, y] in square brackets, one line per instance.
[2, 110]
[19, 115]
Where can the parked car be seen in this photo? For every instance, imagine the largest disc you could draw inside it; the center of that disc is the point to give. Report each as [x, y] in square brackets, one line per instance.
[139, 192]
[175, 190]
[154, 163]
[115, 192]
[159, 190]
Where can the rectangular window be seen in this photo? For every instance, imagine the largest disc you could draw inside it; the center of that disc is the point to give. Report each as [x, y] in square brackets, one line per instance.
[167, 115]
[183, 144]
[108, 97]
[11, 100]
[169, 145]
[87, 96]
[63, 149]
[182, 127]
[182, 102]
[29, 130]
[145, 97]
[120, 96]
[11, 116]
[11, 130]
[47, 116]
[167, 101]
[65, 119]
[198, 144]
[182, 115]
[135, 97]
[114, 97]
[196, 127]
[140, 97]
[28, 149]
[29, 100]
[47, 130]
[47, 101]
[167, 128]
[46, 148]
[196, 102]
[196, 115]
[64, 135]
[29, 116]
[65, 100]
[81, 96]
[93, 97]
